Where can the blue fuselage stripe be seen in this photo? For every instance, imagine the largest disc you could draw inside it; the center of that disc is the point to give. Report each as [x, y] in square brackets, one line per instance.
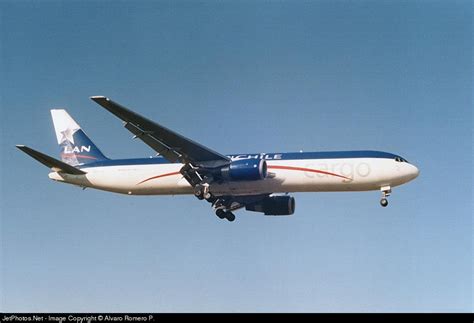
[268, 156]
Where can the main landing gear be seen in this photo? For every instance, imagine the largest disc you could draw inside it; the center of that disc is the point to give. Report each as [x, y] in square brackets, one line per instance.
[223, 210]
[201, 185]
[221, 214]
[201, 191]
[386, 190]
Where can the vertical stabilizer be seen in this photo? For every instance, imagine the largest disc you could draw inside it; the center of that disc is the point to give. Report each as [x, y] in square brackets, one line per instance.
[76, 147]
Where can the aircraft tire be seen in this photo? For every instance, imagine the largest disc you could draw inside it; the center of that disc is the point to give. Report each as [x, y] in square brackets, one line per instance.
[230, 216]
[221, 214]
[198, 192]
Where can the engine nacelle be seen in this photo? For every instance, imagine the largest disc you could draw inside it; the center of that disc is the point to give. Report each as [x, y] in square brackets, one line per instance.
[245, 170]
[274, 205]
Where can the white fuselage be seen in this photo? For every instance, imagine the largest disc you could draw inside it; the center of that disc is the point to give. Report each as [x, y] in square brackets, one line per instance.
[298, 175]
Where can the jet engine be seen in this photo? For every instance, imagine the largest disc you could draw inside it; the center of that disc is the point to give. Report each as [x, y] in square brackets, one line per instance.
[245, 170]
[274, 205]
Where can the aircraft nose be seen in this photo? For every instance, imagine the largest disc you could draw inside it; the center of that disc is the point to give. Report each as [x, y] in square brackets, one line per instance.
[413, 172]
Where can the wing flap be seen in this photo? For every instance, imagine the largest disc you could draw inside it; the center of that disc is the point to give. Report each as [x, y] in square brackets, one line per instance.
[148, 138]
[54, 164]
[170, 144]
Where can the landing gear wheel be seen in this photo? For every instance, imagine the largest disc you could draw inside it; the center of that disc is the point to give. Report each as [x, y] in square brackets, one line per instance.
[230, 216]
[221, 214]
[386, 191]
[198, 192]
[202, 192]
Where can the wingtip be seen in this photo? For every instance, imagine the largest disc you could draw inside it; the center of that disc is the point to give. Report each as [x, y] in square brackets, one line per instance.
[99, 97]
[23, 148]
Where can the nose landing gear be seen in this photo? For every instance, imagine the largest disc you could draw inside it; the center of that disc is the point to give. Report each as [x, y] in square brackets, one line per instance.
[386, 190]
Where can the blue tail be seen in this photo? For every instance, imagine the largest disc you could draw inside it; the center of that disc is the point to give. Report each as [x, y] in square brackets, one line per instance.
[76, 147]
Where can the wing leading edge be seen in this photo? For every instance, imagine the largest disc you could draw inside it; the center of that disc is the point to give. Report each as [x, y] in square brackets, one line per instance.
[171, 145]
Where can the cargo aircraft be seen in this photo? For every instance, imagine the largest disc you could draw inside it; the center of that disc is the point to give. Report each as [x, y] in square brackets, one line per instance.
[258, 182]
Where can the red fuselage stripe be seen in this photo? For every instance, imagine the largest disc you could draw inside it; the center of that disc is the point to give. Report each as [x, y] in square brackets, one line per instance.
[155, 177]
[302, 169]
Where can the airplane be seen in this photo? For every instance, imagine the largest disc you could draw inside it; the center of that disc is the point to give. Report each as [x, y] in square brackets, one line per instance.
[259, 182]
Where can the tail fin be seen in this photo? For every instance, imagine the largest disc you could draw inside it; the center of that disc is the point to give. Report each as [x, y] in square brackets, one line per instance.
[76, 147]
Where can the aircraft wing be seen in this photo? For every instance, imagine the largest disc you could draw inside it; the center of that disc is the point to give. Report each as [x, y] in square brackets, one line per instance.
[171, 145]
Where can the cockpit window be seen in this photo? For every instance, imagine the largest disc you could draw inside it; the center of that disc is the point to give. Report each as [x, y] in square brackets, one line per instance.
[400, 159]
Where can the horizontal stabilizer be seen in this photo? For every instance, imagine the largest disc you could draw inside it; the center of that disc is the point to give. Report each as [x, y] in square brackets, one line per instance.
[54, 164]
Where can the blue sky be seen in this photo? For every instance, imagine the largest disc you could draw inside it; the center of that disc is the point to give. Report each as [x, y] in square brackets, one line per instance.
[240, 76]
